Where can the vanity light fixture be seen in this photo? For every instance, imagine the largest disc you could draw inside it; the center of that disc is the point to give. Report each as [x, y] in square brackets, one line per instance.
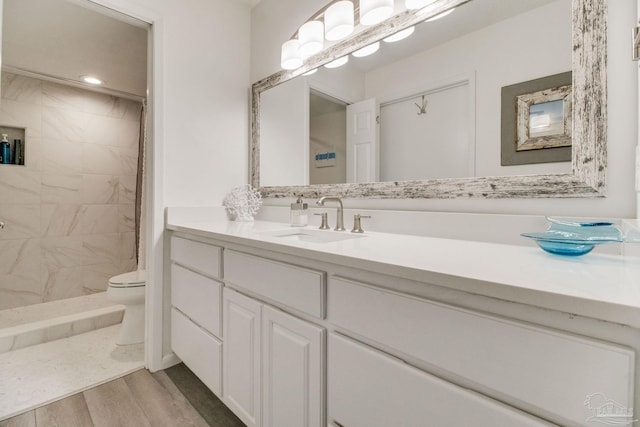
[91, 80]
[367, 50]
[438, 16]
[375, 11]
[308, 73]
[338, 20]
[311, 37]
[400, 35]
[290, 58]
[338, 62]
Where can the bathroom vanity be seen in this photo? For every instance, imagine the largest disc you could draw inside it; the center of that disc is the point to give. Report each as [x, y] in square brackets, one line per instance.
[305, 327]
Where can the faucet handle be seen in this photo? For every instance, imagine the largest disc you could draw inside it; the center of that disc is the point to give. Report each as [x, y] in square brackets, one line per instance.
[357, 227]
[323, 221]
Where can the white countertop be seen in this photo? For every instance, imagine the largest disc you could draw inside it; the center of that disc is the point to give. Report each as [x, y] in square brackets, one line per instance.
[605, 287]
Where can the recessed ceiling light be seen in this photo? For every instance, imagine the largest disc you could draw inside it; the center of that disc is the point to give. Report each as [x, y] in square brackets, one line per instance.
[91, 80]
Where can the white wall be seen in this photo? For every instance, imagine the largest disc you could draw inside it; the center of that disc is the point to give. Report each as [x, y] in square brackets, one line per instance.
[495, 61]
[274, 21]
[205, 85]
[284, 125]
[433, 145]
[200, 104]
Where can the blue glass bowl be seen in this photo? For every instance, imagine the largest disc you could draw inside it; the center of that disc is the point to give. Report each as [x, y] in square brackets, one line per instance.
[567, 243]
[578, 223]
[575, 237]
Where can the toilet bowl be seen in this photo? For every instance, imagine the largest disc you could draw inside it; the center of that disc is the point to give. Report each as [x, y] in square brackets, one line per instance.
[128, 289]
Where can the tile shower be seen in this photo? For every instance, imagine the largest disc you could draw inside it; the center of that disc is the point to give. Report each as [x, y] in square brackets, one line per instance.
[69, 211]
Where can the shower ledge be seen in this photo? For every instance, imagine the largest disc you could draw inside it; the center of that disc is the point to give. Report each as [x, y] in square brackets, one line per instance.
[39, 323]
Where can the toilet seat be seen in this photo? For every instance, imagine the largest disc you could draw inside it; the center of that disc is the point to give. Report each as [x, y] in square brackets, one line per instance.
[133, 279]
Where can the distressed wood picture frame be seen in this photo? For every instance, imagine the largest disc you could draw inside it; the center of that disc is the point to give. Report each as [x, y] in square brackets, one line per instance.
[521, 146]
[544, 119]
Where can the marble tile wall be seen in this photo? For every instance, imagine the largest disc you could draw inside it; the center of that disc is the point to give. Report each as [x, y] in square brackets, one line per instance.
[69, 212]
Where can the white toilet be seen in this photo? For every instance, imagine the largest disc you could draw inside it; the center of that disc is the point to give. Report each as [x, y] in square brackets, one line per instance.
[128, 289]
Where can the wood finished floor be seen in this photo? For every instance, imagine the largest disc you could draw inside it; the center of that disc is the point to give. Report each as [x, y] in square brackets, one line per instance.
[173, 398]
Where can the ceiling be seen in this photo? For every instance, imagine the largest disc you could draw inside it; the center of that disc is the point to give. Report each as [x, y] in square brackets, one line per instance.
[64, 40]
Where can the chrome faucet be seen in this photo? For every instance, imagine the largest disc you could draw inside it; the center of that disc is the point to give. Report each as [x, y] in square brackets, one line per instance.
[339, 215]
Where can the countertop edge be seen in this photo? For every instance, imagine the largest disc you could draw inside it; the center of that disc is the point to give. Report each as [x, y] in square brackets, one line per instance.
[571, 304]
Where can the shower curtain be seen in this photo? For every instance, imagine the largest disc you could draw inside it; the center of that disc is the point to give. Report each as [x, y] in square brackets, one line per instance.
[140, 211]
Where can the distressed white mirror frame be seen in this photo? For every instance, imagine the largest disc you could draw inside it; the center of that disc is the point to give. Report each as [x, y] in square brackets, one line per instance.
[589, 147]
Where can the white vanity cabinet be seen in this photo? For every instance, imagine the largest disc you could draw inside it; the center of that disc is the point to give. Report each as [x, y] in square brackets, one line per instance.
[242, 372]
[290, 341]
[293, 370]
[196, 314]
[368, 388]
[272, 365]
[535, 368]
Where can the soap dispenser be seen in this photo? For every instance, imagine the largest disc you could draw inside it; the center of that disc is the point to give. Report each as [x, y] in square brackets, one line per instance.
[5, 150]
[299, 213]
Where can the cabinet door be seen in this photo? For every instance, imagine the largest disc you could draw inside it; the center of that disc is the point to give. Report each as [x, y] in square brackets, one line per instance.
[241, 386]
[200, 351]
[368, 388]
[292, 370]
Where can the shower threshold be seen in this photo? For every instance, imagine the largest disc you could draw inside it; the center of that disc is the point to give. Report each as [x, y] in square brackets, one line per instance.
[40, 323]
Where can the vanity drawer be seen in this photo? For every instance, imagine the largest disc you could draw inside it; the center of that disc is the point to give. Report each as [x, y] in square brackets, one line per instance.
[200, 351]
[367, 388]
[198, 256]
[543, 370]
[296, 287]
[197, 296]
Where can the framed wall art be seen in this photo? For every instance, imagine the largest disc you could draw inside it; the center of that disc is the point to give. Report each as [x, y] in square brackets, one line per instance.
[536, 121]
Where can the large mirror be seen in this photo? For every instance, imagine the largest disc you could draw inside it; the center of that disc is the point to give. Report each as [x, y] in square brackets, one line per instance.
[441, 106]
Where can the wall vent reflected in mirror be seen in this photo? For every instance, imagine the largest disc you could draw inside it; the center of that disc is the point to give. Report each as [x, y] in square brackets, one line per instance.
[12, 148]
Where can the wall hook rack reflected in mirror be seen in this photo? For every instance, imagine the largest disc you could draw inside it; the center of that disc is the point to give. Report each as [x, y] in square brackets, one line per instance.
[422, 109]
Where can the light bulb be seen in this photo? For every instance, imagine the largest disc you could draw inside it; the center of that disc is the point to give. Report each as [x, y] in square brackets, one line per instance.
[440, 15]
[338, 62]
[367, 50]
[400, 35]
[290, 58]
[375, 11]
[311, 37]
[338, 20]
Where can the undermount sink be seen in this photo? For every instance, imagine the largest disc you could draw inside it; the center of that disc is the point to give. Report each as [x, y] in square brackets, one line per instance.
[311, 235]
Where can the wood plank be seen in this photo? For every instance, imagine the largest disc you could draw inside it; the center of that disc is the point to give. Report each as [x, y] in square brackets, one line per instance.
[69, 412]
[166, 382]
[158, 403]
[203, 400]
[28, 419]
[112, 404]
